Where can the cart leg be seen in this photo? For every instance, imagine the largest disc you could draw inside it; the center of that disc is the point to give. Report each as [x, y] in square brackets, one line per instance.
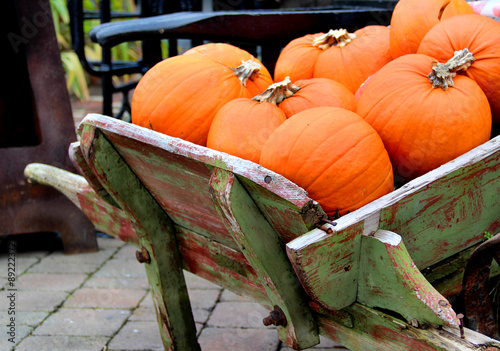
[159, 252]
[264, 250]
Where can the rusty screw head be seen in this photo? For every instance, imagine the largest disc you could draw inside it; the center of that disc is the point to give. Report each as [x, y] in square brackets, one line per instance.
[460, 317]
[142, 255]
[276, 317]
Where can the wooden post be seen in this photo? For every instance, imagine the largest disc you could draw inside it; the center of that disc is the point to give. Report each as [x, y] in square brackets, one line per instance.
[389, 279]
[263, 248]
[157, 237]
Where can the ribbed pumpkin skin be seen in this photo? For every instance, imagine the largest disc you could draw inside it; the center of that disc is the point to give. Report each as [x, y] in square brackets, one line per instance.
[422, 127]
[242, 126]
[318, 92]
[334, 155]
[412, 19]
[297, 59]
[481, 35]
[350, 65]
[232, 56]
[180, 96]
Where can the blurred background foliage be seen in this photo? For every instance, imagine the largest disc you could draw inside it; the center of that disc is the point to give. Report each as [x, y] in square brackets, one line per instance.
[77, 79]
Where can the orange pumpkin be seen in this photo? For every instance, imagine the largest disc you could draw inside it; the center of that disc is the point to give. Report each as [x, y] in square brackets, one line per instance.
[232, 57]
[333, 154]
[481, 35]
[242, 126]
[348, 58]
[424, 121]
[317, 92]
[180, 96]
[412, 19]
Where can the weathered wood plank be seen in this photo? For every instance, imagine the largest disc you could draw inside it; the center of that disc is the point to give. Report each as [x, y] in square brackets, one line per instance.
[157, 236]
[377, 331]
[339, 261]
[264, 250]
[220, 265]
[438, 215]
[390, 280]
[105, 217]
[80, 162]
[206, 258]
[163, 163]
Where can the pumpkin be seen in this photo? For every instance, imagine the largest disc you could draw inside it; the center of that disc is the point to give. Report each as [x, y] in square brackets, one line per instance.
[348, 58]
[316, 92]
[180, 95]
[232, 56]
[481, 35]
[412, 19]
[242, 126]
[424, 116]
[334, 155]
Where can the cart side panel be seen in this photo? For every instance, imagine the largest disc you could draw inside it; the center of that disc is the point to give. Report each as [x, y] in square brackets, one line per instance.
[177, 173]
[437, 215]
[450, 213]
[79, 160]
[221, 265]
[179, 185]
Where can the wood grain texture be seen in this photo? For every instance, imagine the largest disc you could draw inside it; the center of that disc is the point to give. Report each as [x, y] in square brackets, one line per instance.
[438, 215]
[265, 252]
[182, 171]
[377, 331]
[390, 280]
[81, 164]
[157, 236]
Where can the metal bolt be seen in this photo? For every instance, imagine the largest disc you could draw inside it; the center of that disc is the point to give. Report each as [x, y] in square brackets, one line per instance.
[276, 317]
[268, 179]
[460, 317]
[443, 303]
[142, 255]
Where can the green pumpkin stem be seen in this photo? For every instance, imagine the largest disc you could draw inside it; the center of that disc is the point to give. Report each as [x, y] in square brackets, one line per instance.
[278, 92]
[247, 70]
[337, 37]
[442, 73]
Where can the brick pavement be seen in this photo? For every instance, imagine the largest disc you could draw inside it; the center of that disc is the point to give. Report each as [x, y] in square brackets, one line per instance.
[100, 301]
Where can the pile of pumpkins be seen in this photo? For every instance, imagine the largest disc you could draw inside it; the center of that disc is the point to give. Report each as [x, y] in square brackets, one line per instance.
[346, 115]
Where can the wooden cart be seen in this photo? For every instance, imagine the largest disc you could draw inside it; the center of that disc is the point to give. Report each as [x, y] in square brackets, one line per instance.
[383, 277]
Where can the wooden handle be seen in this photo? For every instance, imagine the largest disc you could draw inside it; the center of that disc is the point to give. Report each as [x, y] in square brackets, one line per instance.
[66, 182]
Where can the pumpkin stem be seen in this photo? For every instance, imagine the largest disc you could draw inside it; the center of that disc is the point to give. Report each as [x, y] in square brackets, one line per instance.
[247, 70]
[337, 37]
[278, 92]
[442, 73]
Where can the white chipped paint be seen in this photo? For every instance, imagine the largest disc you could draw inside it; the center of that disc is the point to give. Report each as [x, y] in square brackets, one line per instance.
[303, 241]
[371, 223]
[446, 314]
[471, 336]
[388, 237]
[226, 209]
